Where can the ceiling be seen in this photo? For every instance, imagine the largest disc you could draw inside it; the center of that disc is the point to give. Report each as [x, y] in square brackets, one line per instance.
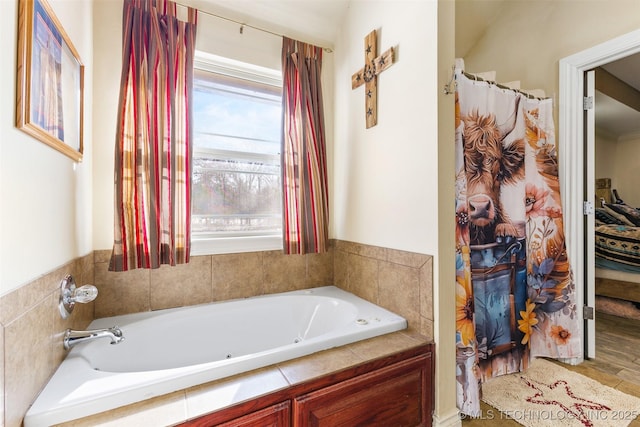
[612, 116]
[314, 21]
[318, 21]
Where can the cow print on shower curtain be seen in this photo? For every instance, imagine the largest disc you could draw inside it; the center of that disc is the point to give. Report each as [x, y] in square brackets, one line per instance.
[515, 296]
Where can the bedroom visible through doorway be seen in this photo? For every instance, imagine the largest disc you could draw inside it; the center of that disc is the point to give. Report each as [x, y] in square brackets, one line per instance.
[574, 161]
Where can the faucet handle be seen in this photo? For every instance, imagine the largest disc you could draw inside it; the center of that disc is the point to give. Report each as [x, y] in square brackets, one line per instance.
[85, 294]
[69, 295]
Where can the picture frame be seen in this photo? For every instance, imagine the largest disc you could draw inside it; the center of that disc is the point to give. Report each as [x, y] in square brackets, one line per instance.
[50, 80]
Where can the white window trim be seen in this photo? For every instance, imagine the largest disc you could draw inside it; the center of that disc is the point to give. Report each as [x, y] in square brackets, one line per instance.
[203, 245]
[232, 68]
[230, 245]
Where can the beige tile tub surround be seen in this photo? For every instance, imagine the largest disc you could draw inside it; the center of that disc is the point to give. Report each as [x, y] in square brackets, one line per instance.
[2, 395]
[32, 329]
[206, 279]
[396, 280]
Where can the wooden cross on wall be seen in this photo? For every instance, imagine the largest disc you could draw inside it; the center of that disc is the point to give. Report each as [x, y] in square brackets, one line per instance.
[373, 65]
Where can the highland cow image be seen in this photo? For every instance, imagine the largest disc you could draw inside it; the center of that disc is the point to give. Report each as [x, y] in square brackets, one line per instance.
[489, 164]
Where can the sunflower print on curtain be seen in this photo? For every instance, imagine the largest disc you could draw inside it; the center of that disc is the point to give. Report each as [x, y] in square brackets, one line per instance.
[515, 296]
[153, 138]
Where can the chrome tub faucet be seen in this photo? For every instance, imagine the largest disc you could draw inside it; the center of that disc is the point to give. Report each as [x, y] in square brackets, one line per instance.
[73, 337]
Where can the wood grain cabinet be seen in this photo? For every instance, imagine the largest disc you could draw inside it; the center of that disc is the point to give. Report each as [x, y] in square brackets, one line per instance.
[273, 416]
[397, 395]
[396, 391]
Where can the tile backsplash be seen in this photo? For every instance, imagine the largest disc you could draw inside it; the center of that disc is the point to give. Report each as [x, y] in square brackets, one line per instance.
[399, 281]
[207, 279]
[31, 327]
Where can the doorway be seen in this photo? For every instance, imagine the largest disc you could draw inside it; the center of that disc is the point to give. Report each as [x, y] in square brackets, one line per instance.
[571, 138]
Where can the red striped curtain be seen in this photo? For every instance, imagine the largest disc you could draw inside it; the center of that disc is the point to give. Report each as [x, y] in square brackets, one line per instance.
[304, 165]
[154, 135]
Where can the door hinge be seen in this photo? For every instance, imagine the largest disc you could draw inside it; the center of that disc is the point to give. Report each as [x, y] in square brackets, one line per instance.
[588, 312]
[587, 208]
[587, 102]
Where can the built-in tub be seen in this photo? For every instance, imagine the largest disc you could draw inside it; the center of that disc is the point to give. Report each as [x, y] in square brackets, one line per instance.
[169, 350]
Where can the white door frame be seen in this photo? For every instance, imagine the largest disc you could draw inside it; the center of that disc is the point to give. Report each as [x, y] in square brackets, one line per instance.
[571, 148]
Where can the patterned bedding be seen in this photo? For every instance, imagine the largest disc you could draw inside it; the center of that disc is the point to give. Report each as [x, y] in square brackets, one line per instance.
[617, 236]
[619, 243]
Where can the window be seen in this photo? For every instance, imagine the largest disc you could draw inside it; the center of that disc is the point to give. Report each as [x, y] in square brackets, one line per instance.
[236, 191]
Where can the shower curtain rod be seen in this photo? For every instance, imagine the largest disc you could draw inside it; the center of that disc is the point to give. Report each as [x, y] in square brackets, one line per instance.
[448, 90]
[242, 25]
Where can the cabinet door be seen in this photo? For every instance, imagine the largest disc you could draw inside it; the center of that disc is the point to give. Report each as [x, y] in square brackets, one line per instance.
[273, 416]
[393, 396]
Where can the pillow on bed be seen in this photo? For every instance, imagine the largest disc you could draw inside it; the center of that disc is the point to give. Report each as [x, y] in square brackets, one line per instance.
[627, 214]
[604, 217]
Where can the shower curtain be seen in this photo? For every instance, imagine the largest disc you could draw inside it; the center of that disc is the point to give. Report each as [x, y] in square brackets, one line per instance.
[515, 295]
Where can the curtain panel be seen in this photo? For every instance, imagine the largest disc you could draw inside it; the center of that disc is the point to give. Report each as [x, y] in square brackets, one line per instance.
[515, 295]
[153, 137]
[304, 165]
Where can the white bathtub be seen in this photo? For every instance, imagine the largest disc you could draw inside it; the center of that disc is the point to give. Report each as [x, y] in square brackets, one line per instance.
[169, 350]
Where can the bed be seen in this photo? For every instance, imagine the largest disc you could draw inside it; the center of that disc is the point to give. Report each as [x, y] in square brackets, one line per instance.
[617, 249]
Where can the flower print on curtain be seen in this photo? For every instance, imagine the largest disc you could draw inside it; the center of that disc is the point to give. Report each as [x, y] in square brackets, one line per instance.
[515, 296]
[153, 139]
[305, 213]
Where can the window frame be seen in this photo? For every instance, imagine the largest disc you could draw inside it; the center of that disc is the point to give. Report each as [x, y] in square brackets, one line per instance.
[212, 245]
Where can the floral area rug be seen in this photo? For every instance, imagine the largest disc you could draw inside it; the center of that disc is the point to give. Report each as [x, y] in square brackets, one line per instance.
[547, 394]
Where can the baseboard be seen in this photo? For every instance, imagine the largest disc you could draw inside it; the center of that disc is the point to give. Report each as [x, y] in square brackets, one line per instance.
[450, 420]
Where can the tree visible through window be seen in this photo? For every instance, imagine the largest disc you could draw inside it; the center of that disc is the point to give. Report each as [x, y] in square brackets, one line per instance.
[236, 159]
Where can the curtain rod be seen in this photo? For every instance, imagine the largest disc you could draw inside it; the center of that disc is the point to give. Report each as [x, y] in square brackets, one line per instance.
[242, 24]
[480, 79]
[449, 88]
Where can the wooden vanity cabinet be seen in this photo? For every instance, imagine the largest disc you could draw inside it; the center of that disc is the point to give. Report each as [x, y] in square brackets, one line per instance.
[397, 395]
[390, 392]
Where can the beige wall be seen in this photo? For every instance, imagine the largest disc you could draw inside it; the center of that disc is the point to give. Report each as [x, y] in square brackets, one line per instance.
[605, 157]
[446, 413]
[528, 38]
[625, 153]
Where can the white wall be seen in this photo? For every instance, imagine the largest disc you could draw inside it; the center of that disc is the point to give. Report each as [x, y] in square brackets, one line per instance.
[108, 62]
[385, 181]
[45, 198]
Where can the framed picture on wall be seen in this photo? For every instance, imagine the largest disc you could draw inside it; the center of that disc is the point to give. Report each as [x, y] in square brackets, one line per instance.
[50, 80]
